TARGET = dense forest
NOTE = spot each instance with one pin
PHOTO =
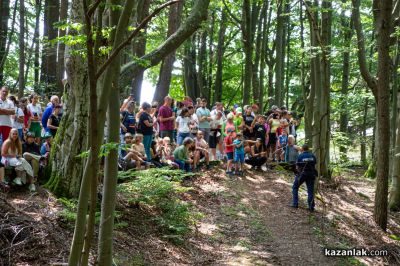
(334, 63)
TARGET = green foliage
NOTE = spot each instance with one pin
(159, 191)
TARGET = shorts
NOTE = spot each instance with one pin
(36, 129)
(239, 157)
(213, 140)
(272, 139)
(229, 155)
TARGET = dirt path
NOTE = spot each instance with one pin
(249, 222)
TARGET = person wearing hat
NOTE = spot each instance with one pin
(306, 173)
(31, 153)
(238, 120)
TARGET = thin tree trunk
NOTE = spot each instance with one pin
(220, 55)
(49, 56)
(4, 54)
(348, 32)
(4, 16)
(202, 62)
(61, 48)
(206, 92)
(280, 53)
(21, 76)
(38, 7)
(248, 50)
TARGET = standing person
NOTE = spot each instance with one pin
(274, 125)
(219, 107)
(292, 152)
(260, 131)
(248, 123)
(128, 121)
(18, 118)
(204, 117)
(36, 115)
(146, 128)
(229, 124)
(239, 153)
(229, 150)
(215, 133)
(6, 110)
(166, 118)
(54, 121)
(181, 155)
(49, 110)
(305, 173)
(182, 125)
(27, 115)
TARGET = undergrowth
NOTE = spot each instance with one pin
(159, 190)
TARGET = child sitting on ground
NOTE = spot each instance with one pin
(201, 151)
(181, 155)
(137, 152)
(239, 153)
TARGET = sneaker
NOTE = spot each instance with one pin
(18, 181)
(32, 188)
(293, 206)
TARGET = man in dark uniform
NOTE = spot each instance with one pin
(305, 173)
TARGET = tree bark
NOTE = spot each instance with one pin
(49, 57)
(61, 48)
(4, 16)
(220, 56)
(189, 70)
(280, 53)
(347, 33)
(164, 80)
(21, 76)
(394, 199)
(248, 50)
(383, 101)
(36, 64)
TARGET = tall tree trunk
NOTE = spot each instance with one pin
(220, 55)
(21, 76)
(258, 51)
(347, 32)
(38, 7)
(139, 48)
(189, 69)
(248, 50)
(280, 53)
(264, 45)
(206, 92)
(202, 63)
(49, 56)
(4, 16)
(164, 80)
(61, 48)
(364, 133)
(383, 92)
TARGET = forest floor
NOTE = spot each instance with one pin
(245, 221)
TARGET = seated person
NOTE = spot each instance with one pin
(181, 155)
(156, 155)
(137, 152)
(201, 150)
(31, 153)
(122, 152)
(258, 154)
(46, 146)
(164, 146)
(11, 153)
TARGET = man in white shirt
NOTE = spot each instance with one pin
(7, 109)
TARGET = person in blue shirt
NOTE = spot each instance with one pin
(305, 173)
(239, 153)
(48, 111)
